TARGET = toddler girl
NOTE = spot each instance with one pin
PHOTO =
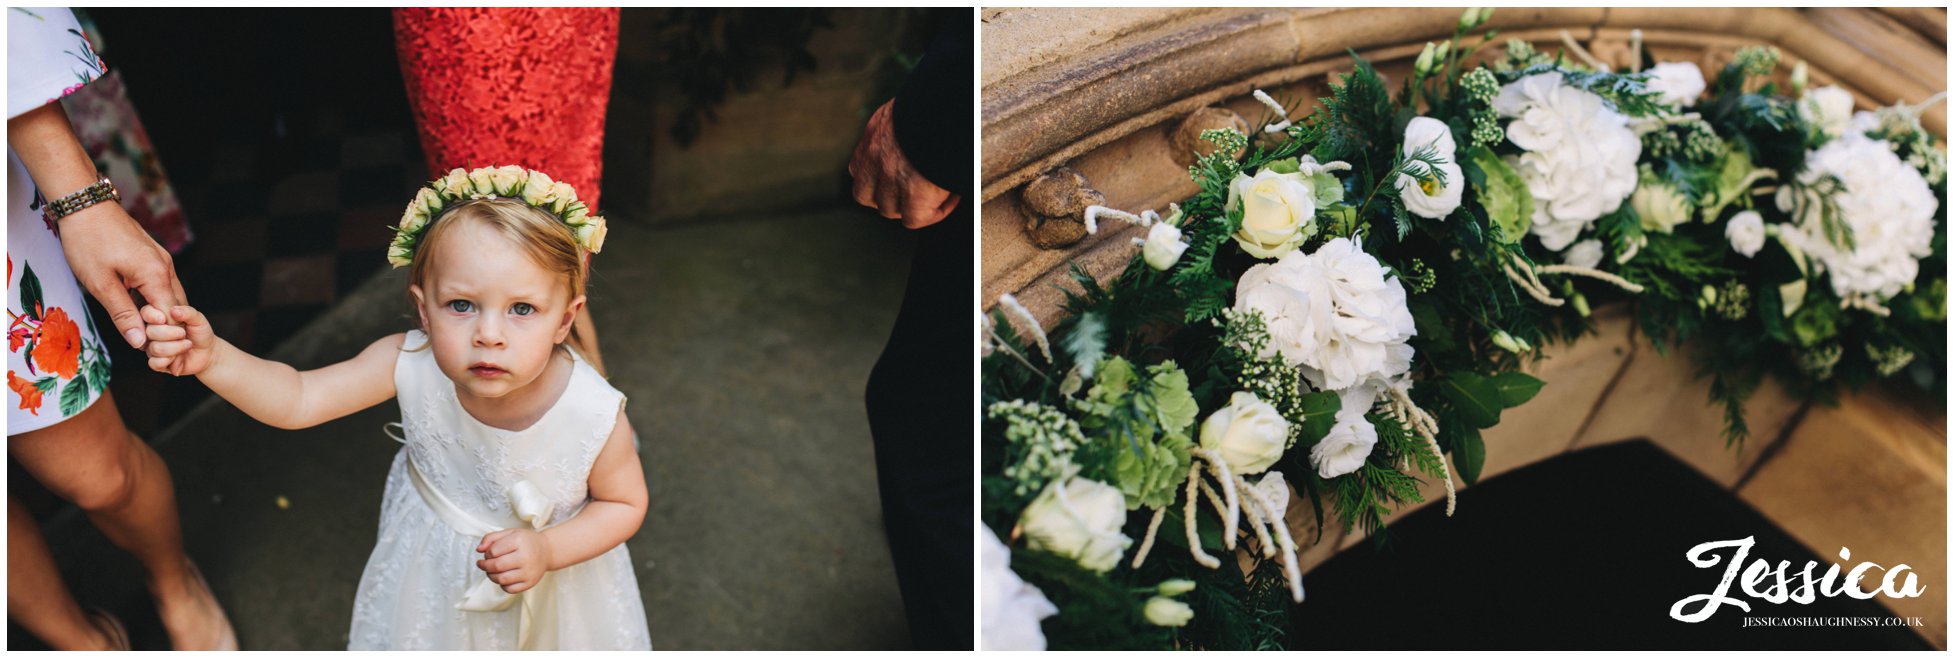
(504, 518)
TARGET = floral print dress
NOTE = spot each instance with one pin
(57, 364)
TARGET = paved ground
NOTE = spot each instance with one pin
(744, 345)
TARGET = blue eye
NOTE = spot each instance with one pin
(461, 306)
(522, 308)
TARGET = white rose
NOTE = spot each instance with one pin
(1579, 159)
(1278, 212)
(1349, 442)
(1660, 206)
(1586, 253)
(455, 184)
(1679, 83)
(1163, 611)
(1079, 519)
(1163, 246)
(1332, 313)
(400, 256)
(481, 182)
(592, 234)
(506, 179)
(1012, 607)
(577, 214)
(418, 211)
(537, 188)
(1431, 200)
(1249, 434)
(561, 196)
(1828, 108)
(1886, 205)
(1746, 232)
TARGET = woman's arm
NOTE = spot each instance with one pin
(108, 251)
(516, 559)
(271, 392)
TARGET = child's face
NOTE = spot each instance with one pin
(493, 316)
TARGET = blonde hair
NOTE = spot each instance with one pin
(547, 240)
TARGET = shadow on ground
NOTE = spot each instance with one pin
(744, 345)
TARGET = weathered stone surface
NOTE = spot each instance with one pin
(1057, 203)
(1186, 141)
(1869, 475)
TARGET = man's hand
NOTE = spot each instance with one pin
(515, 559)
(887, 182)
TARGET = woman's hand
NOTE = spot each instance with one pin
(184, 348)
(107, 250)
(515, 559)
(111, 255)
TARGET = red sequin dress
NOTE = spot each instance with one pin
(511, 85)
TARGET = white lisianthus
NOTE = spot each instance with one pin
(1885, 204)
(1829, 108)
(1661, 207)
(1163, 611)
(536, 188)
(1249, 434)
(1278, 211)
(1350, 440)
(1079, 519)
(1163, 246)
(1586, 253)
(1746, 232)
(1332, 313)
(1580, 155)
(1430, 199)
(592, 234)
(1012, 607)
(1679, 83)
(1174, 587)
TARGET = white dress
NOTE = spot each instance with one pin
(423, 566)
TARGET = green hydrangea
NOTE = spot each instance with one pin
(1153, 477)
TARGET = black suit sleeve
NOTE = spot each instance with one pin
(932, 112)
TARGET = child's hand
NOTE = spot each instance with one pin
(515, 559)
(180, 349)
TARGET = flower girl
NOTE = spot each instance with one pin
(504, 518)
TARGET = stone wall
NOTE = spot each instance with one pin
(772, 147)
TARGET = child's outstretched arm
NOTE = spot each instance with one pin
(271, 392)
(516, 559)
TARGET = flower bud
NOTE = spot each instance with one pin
(1163, 611)
(1175, 587)
(1510, 343)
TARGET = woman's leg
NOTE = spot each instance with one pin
(36, 597)
(94, 461)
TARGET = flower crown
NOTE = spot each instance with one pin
(511, 182)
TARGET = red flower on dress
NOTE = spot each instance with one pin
(59, 349)
(30, 395)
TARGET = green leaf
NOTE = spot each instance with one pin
(1504, 194)
(98, 374)
(30, 292)
(1515, 387)
(1469, 453)
(1475, 397)
(75, 396)
(1319, 414)
(47, 384)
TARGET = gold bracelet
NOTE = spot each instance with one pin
(101, 191)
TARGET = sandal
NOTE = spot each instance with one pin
(229, 640)
(111, 628)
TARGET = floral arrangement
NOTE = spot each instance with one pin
(1347, 302)
(510, 182)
